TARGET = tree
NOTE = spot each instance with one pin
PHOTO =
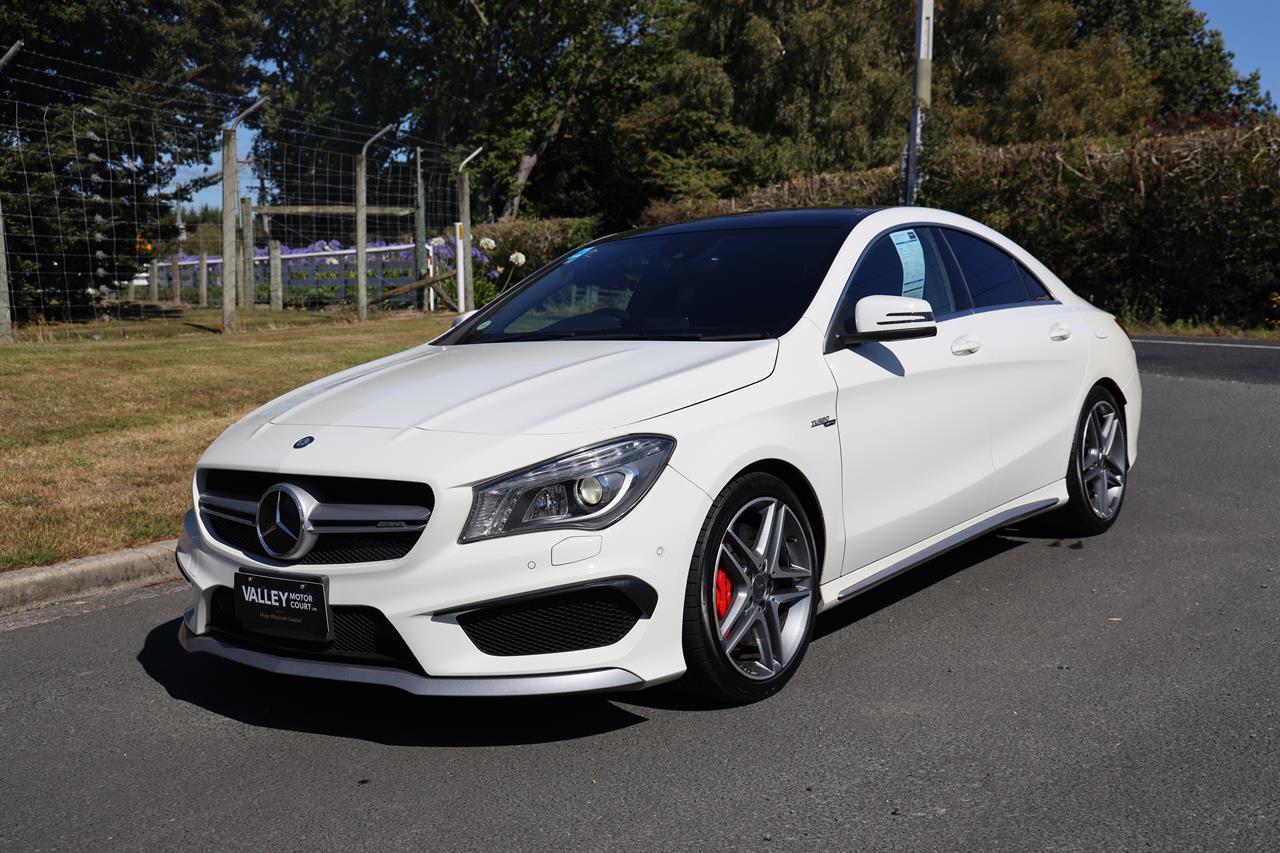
(1191, 67)
(106, 99)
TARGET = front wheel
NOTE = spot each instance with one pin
(751, 598)
(1099, 468)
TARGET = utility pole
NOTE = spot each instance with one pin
(6, 322)
(362, 227)
(465, 276)
(923, 97)
(230, 190)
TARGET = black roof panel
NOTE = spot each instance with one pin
(813, 217)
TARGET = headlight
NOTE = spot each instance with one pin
(587, 489)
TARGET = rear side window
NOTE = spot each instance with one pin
(993, 277)
(903, 263)
(1035, 289)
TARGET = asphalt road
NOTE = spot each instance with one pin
(1020, 693)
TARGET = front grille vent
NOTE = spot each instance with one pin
(349, 520)
(562, 622)
(360, 635)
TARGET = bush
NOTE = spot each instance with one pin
(1164, 229)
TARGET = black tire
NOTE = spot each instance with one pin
(711, 673)
(1078, 518)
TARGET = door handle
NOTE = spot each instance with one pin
(965, 345)
(1059, 332)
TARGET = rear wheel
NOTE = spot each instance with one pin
(1099, 468)
(751, 597)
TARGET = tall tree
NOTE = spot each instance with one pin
(104, 103)
(1191, 67)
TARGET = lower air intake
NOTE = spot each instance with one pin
(561, 622)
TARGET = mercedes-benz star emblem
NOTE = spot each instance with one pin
(283, 524)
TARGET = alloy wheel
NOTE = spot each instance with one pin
(762, 588)
(1102, 459)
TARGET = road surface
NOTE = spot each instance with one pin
(1020, 693)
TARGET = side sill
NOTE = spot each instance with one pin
(955, 540)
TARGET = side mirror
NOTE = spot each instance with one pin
(889, 318)
(462, 318)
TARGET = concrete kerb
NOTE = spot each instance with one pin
(24, 589)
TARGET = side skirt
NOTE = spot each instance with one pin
(1011, 513)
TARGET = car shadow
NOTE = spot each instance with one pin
(672, 697)
(368, 712)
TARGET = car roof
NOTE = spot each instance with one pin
(809, 217)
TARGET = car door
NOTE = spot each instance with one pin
(1037, 354)
(915, 444)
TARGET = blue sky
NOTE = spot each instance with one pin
(1249, 28)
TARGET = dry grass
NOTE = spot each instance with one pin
(98, 438)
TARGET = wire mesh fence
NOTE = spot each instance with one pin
(113, 191)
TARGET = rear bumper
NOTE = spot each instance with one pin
(590, 681)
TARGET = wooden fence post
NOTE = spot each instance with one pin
(202, 279)
(175, 276)
(248, 290)
(6, 323)
(277, 280)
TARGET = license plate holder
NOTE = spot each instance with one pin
(294, 607)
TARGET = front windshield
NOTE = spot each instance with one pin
(697, 285)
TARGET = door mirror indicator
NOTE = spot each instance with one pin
(888, 318)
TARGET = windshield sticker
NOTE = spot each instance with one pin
(486, 324)
(911, 254)
(579, 254)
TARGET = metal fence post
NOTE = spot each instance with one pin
(362, 227)
(276, 285)
(465, 273)
(6, 322)
(202, 279)
(420, 233)
(175, 273)
(248, 287)
(229, 229)
(457, 267)
(153, 284)
(230, 190)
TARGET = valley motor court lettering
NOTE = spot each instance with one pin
(287, 601)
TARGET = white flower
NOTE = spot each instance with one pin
(517, 259)
(487, 244)
(437, 241)
(501, 270)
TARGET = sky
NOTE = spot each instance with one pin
(1249, 28)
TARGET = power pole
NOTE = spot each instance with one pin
(923, 97)
(362, 226)
(465, 274)
(230, 190)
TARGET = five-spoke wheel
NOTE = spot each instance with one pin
(1099, 467)
(752, 591)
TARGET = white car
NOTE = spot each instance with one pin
(661, 455)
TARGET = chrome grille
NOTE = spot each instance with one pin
(345, 520)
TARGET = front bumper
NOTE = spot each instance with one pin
(422, 595)
(591, 681)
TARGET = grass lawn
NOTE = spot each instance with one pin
(98, 437)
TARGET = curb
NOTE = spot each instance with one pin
(27, 588)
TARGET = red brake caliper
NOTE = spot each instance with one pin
(724, 593)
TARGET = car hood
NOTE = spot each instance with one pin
(530, 387)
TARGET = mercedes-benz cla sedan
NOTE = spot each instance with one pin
(661, 455)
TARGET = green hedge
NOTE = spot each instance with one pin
(1165, 229)
(1161, 229)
